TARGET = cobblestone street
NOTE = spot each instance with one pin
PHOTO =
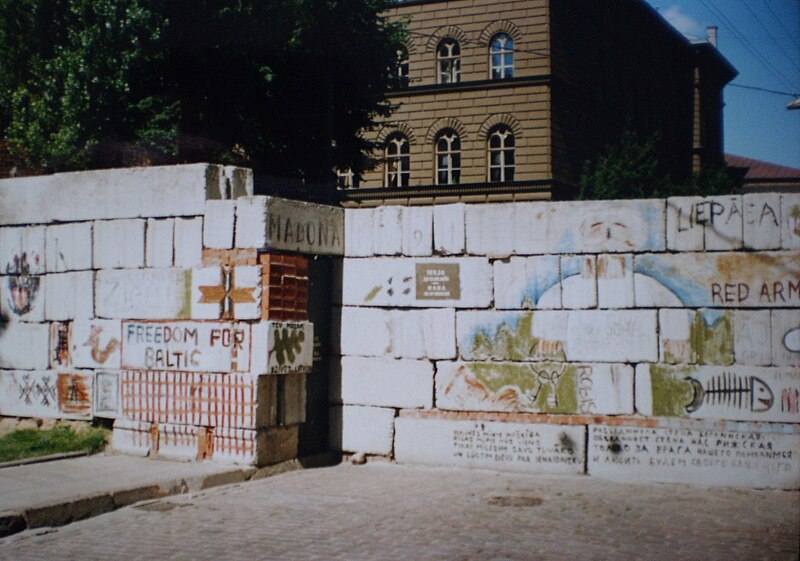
(383, 511)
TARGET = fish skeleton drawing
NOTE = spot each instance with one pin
(728, 389)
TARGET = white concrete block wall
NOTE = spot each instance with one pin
(752, 332)
(761, 221)
(251, 222)
(69, 247)
(724, 229)
(218, 224)
(790, 221)
(369, 430)
(358, 238)
(387, 230)
(69, 296)
(189, 242)
(159, 243)
(143, 294)
(25, 346)
(22, 249)
(386, 382)
(448, 229)
(615, 281)
(118, 244)
(685, 223)
(417, 231)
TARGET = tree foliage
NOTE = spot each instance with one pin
(283, 85)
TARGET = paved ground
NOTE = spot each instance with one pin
(384, 511)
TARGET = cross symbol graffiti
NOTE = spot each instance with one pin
(26, 389)
(226, 294)
(46, 391)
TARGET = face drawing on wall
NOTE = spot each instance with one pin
(21, 284)
(613, 229)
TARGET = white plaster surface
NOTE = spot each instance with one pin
(159, 244)
(786, 337)
(358, 232)
(218, 222)
(47, 394)
(362, 429)
(790, 230)
(490, 229)
(724, 229)
(418, 231)
(387, 230)
(25, 346)
(251, 222)
(751, 456)
(448, 229)
(132, 437)
(762, 220)
(387, 382)
(14, 242)
(615, 281)
(674, 336)
(143, 294)
(612, 336)
(490, 445)
(188, 242)
(684, 233)
(579, 282)
(528, 283)
(752, 337)
(69, 247)
(69, 295)
(95, 343)
(118, 244)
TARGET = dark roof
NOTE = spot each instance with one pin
(760, 170)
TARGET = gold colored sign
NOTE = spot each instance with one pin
(438, 281)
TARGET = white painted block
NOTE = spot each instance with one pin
(750, 456)
(358, 237)
(118, 244)
(239, 446)
(423, 283)
(218, 222)
(69, 296)
(234, 182)
(47, 394)
(143, 294)
(226, 293)
(615, 281)
(24, 346)
(106, 402)
(579, 282)
(369, 430)
(387, 230)
(490, 229)
(675, 337)
(132, 437)
(786, 337)
(535, 387)
(95, 343)
(752, 340)
(418, 231)
(69, 247)
(157, 191)
(517, 447)
(159, 244)
(536, 230)
(724, 229)
(22, 250)
(251, 222)
(762, 220)
(366, 332)
(449, 236)
(686, 218)
(179, 442)
(528, 283)
(188, 242)
(790, 211)
(23, 297)
(612, 336)
(387, 382)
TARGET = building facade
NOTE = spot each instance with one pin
(507, 100)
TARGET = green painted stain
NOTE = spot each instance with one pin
(795, 213)
(185, 311)
(288, 344)
(670, 389)
(712, 344)
(507, 342)
(542, 387)
(372, 294)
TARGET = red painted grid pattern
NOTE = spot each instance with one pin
(236, 444)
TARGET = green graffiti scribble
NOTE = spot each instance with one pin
(288, 344)
(794, 212)
(517, 343)
(670, 390)
(712, 343)
(542, 387)
(186, 306)
(372, 293)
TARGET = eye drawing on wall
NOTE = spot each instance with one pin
(22, 285)
(613, 228)
(741, 392)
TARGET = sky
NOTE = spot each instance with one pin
(761, 39)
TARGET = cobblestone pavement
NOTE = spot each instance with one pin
(384, 511)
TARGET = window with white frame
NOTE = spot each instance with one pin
(398, 161)
(346, 179)
(448, 158)
(501, 155)
(448, 59)
(501, 56)
(401, 68)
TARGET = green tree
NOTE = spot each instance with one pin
(283, 85)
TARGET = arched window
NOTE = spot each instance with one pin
(401, 68)
(398, 161)
(448, 58)
(501, 56)
(501, 154)
(448, 158)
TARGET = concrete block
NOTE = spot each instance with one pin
(752, 339)
(615, 281)
(22, 250)
(517, 447)
(424, 282)
(95, 343)
(234, 182)
(118, 244)
(69, 296)
(612, 336)
(786, 337)
(132, 437)
(740, 280)
(686, 217)
(24, 346)
(46, 394)
(369, 430)
(180, 442)
(251, 222)
(273, 445)
(535, 229)
(724, 229)
(762, 220)
(514, 336)
(241, 446)
(675, 336)
(159, 244)
(535, 387)
(358, 232)
(490, 229)
(188, 242)
(143, 294)
(218, 222)
(449, 237)
(386, 382)
(106, 402)
(418, 231)
(69, 247)
(23, 297)
(732, 393)
(226, 292)
(387, 230)
(750, 456)
(790, 220)
(528, 283)
(366, 332)
(282, 347)
(579, 282)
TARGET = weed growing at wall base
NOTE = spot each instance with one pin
(30, 443)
